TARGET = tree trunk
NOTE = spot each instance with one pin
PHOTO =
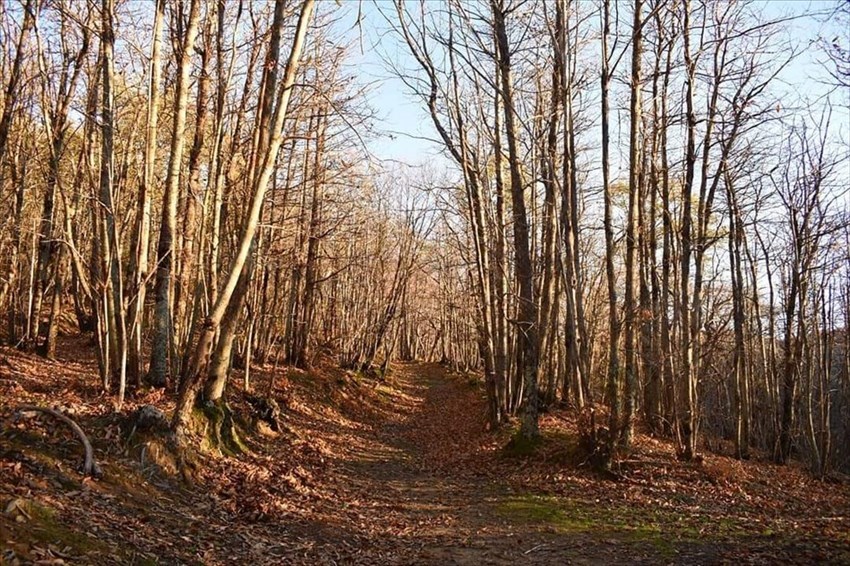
(139, 257)
(193, 373)
(631, 314)
(527, 312)
(163, 339)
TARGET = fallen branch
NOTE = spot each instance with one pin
(90, 467)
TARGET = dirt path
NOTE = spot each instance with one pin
(401, 483)
(411, 493)
(401, 473)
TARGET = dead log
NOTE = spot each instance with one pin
(90, 466)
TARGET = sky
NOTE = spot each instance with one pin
(406, 125)
(402, 119)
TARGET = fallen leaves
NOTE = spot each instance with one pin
(365, 473)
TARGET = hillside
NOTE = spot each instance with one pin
(372, 472)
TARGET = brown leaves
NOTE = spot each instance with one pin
(394, 475)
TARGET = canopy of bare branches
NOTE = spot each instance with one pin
(633, 212)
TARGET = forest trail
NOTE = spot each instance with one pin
(366, 472)
(398, 502)
(414, 490)
(422, 508)
(217, 219)
(395, 472)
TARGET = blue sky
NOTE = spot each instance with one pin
(405, 123)
(402, 119)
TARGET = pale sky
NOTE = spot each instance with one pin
(406, 123)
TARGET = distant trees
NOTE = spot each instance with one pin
(259, 147)
(634, 221)
(690, 323)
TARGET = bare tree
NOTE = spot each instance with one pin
(274, 130)
(163, 340)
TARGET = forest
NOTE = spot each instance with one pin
(424, 281)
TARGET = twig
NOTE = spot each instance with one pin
(536, 548)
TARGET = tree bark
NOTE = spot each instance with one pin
(163, 339)
(139, 258)
(194, 371)
(527, 312)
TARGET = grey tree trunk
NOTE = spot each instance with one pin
(635, 120)
(527, 311)
(163, 339)
(613, 377)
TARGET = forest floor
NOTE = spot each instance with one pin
(381, 472)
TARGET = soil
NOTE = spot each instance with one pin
(369, 471)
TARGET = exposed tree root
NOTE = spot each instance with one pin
(266, 409)
(90, 466)
(219, 429)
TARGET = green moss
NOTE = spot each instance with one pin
(60, 535)
(576, 517)
(44, 527)
(662, 529)
(520, 446)
(220, 432)
(538, 509)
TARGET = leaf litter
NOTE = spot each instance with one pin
(374, 472)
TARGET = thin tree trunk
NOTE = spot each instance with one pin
(186, 267)
(687, 424)
(527, 312)
(163, 339)
(613, 377)
(630, 308)
(139, 258)
(111, 247)
(194, 371)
